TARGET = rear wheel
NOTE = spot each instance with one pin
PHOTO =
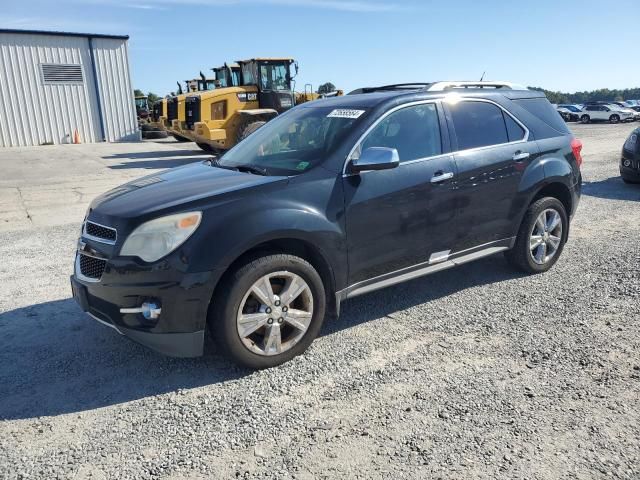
(585, 119)
(541, 237)
(154, 134)
(268, 310)
(614, 119)
(205, 146)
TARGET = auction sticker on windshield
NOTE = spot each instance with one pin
(345, 113)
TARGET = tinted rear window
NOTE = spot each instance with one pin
(541, 108)
(478, 124)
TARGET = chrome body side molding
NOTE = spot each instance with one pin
(435, 264)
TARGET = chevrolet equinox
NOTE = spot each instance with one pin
(332, 199)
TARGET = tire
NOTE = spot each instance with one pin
(585, 119)
(145, 127)
(154, 134)
(205, 146)
(180, 138)
(521, 256)
(248, 128)
(614, 119)
(630, 182)
(235, 297)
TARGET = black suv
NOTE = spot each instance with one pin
(332, 199)
(630, 161)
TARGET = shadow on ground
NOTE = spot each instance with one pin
(613, 188)
(155, 159)
(55, 360)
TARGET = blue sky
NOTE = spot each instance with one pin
(566, 45)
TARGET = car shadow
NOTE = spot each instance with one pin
(56, 360)
(612, 188)
(421, 290)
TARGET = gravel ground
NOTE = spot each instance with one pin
(476, 372)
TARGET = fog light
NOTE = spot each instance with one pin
(149, 310)
(626, 162)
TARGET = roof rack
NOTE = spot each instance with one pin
(395, 86)
(441, 86)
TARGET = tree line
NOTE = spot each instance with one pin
(603, 94)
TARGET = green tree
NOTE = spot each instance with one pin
(138, 93)
(326, 88)
(152, 97)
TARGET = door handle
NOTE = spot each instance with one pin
(520, 156)
(440, 177)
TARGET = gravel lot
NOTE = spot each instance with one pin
(476, 372)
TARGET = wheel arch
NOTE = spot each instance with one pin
(292, 246)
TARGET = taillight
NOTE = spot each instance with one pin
(576, 146)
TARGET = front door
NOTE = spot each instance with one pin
(404, 216)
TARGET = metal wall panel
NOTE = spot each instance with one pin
(116, 91)
(33, 112)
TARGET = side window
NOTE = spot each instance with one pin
(478, 124)
(413, 131)
(514, 130)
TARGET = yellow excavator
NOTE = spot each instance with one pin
(220, 118)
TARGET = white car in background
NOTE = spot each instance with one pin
(606, 113)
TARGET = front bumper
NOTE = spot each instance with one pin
(126, 284)
(632, 171)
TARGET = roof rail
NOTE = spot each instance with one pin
(395, 86)
(441, 86)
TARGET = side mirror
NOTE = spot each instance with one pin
(376, 158)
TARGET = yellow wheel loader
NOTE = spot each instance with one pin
(176, 114)
(309, 95)
(222, 117)
(227, 75)
(159, 114)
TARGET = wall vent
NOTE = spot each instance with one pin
(57, 73)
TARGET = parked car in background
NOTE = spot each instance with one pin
(334, 199)
(567, 115)
(571, 107)
(605, 113)
(635, 109)
(630, 161)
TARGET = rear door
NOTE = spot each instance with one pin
(404, 216)
(492, 149)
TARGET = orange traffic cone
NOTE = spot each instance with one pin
(76, 137)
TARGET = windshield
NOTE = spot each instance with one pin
(293, 142)
(273, 77)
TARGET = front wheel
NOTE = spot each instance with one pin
(585, 119)
(268, 310)
(541, 237)
(614, 119)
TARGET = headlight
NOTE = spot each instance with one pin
(156, 238)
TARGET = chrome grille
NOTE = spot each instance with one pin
(100, 232)
(91, 267)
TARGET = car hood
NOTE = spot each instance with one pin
(193, 186)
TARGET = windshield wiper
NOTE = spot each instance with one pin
(214, 162)
(252, 169)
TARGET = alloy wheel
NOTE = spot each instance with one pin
(546, 236)
(275, 313)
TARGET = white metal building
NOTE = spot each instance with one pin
(54, 83)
